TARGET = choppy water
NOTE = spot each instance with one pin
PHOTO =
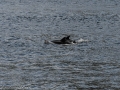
(27, 63)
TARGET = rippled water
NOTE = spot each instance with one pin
(27, 63)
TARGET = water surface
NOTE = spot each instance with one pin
(26, 62)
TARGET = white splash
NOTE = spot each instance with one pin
(81, 40)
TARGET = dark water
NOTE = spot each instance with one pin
(27, 63)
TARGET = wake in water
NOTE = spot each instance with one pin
(81, 40)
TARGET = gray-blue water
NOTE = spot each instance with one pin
(27, 63)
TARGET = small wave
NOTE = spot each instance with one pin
(81, 40)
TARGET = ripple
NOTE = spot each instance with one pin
(27, 63)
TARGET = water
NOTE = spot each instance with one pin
(27, 63)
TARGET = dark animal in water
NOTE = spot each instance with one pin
(64, 40)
